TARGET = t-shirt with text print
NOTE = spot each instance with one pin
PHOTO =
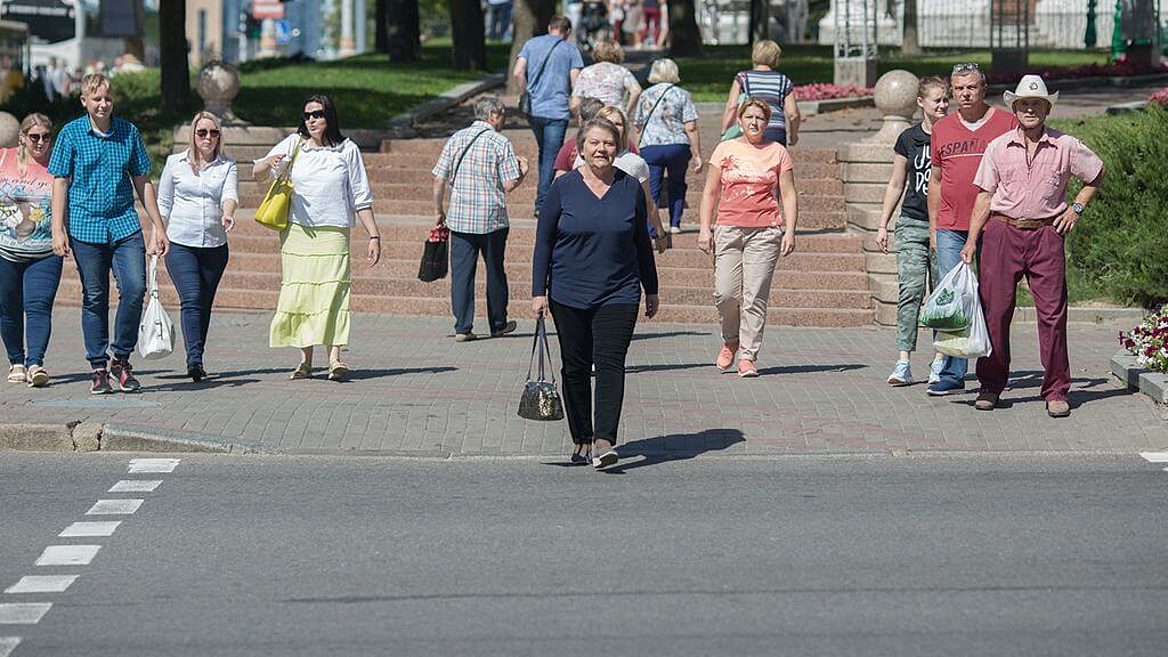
(749, 194)
(25, 209)
(957, 150)
(913, 145)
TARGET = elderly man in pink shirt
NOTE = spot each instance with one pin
(1022, 217)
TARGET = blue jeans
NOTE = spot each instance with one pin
(949, 245)
(196, 273)
(127, 259)
(776, 134)
(464, 257)
(500, 19)
(672, 159)
(549, 135)
(27, 291)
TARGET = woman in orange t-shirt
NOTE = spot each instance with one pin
(749, 179)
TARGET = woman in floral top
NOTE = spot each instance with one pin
(606, 80)
(667, 122)
(29, 271)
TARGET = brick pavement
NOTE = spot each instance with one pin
(416, 392)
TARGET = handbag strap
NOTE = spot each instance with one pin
(542, 65)
(540, 345)
(287, 175)
(465, 150)
(648, 116)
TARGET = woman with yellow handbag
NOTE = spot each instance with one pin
(329, 192)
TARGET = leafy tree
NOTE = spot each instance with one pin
(404, 32)
(467, 31)
(685, 39)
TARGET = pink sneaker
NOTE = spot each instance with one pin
(747, 369)
(726, 356)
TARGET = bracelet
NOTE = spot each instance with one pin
(375, 237)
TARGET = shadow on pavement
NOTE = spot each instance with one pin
(1082, 390)
(810, 369)
(674, 447)
(360, 375)
(666, 367)
(668, 334)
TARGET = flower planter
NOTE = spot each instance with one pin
(1155, 385)
(1125, 368)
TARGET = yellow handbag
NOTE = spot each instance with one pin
(273, 210)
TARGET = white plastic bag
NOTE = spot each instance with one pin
(950, 307)
(156, 332)
(974, 341)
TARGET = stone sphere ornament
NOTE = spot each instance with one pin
(896, 98)
(9, 130)
(219, 85)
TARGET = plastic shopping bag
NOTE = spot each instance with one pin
(156, 332)
(971, 342)
(950, 307)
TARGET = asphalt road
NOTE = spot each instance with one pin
(1020, 555)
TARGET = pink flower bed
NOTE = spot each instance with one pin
(1110, 69)
(1160, 97)
(824, 91)
(1148, 342)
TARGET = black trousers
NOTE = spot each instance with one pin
(464, 254)
(597, 336)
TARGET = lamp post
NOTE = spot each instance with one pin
(1117, 42)
(1090, 39)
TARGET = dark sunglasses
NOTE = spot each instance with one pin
(203, 132)
(38, 137)
(314, 114)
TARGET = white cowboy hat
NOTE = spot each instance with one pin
(1030, 86)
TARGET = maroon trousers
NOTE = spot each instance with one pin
(1005, 255)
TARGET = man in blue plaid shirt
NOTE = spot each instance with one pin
(98, 163)
(480, 166)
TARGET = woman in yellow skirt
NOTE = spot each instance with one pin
(331, 193)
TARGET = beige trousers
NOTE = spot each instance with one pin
(744, 264)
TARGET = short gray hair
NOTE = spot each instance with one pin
(486, 106)
(664, 70)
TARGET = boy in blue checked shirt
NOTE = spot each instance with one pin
(98, 163)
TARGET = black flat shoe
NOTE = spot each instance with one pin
(579, 459)
(197, 373)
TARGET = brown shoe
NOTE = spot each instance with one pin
(986, 401)
(1058, 408)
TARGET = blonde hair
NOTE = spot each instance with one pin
(756, 103)
(93, 82)
(766, 53)
(193, 154)
(29, 122)
(664, 70)
(608, 51)
(607, 113)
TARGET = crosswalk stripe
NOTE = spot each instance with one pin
(68, 555)
(1155, 457)
(8, 644)
(23, 613)
(114, 507)
(103, 528)
(153, 465)
(42, 584)
(135, 486)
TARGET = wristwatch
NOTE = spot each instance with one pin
(1077, 208)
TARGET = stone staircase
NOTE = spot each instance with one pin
(825, 283)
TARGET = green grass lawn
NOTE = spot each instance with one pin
(709, 77)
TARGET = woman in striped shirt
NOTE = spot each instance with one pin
(764, 82)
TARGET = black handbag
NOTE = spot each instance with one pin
(435, 256)
(540, 401)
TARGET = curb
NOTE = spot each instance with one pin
(101, 437)
(1069, 84)
(806, 107)
(402, 125)
(1152, 384)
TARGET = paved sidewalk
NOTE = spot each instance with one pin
(417, 392)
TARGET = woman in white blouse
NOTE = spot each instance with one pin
(197, 197)
(331, 193)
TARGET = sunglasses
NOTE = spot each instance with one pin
(203, 132)
(38, 137)
(965, 68)
(314, 114)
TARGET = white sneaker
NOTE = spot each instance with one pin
(901, 374)
(935, 370)
(675, 230)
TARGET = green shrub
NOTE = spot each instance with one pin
(1121, 244)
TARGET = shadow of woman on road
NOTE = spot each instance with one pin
(674, 447)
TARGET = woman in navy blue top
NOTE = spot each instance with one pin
(592, 257)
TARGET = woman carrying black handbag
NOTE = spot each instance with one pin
(592, 258)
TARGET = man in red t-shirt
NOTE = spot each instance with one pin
(956, 147)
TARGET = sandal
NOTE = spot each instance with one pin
(16, 374)
(302, 371)
(37, 377)
(338, 371)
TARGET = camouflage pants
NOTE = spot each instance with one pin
(916, 272)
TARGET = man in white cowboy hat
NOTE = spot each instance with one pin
(1022, 217)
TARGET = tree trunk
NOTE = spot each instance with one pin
(910, 40)
(381, 26)
(468, 34)
(685, 38)
(531, 18)
(404, 30)
(760, 20)
(172, 47)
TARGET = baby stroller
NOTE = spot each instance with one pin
(594, 26)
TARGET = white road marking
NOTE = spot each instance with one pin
(42, 584)
(135, 486)
(8, 644)
(114, 507)
(1155, 457)
(104, 528)
(153, 465)
(68, 555)
(23, 613)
